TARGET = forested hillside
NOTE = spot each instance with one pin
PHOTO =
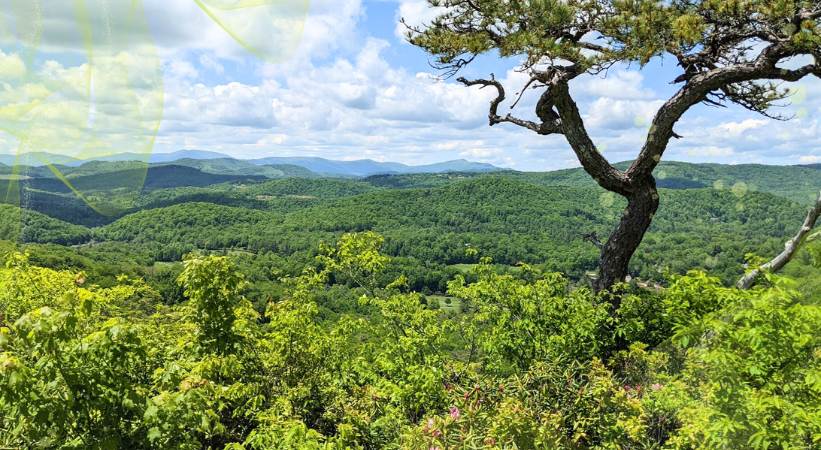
(213, 296)
(508, 217)
(796, 183)
(230, 166)
(31, 226)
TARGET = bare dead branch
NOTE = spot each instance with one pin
(791, 247)
(593, 238)
(522, 92)
(494, 118)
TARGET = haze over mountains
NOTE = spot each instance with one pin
(197, 168)
(206, 159)
(792, 182)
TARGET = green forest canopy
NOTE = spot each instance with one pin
(339, 358)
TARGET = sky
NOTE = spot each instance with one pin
(328, 78)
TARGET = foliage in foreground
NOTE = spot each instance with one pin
(528, 363)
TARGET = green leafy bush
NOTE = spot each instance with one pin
(346, 357)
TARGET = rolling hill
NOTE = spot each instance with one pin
(38, 159)
(797, 183)
(366, 167)
(510, 220)
(287, 188)
(113, 192)
(282, 195)
(30, 226)
(146, 179)
(230, 166)
(160, 158)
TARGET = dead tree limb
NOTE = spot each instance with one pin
(790, 249)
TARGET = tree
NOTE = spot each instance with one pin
(728, 51)
(214, 286)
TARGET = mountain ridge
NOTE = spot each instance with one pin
(316, 164)
(799, 183)
(367, 167)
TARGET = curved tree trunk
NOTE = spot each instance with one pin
(642, 204)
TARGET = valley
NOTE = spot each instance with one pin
(711, 215)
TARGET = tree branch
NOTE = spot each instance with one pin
(494, 118)
(698, 88)
(567, 121)
(593, 238)
(790, 249)
(574, 130)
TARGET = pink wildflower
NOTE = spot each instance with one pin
(454, 413)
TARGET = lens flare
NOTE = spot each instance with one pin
(269, 29)
(83, 81)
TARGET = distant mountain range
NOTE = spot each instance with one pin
(37, 159)
(270, 166)
(367, 167)
(799, 183)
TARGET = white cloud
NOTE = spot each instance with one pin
(448, 145)
(343, 94)
(182, 70)
(710, 151)
(621, 84)
(362, 106)
(11, 67)
(209, 62)
(809, 159)
(270, 140)
(735, 129)
(84, 110)
(480, 153)
(615, 114)
(233, 104)
(274, 31)
(330, 24)
(416, 13)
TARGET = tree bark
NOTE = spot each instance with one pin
(642, 204)
(639, 190)
(790, 249)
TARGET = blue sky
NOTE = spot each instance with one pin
(348, 87)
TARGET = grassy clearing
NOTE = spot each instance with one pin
(501, 268)
(446, 303)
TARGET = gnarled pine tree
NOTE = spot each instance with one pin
(728, 51)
